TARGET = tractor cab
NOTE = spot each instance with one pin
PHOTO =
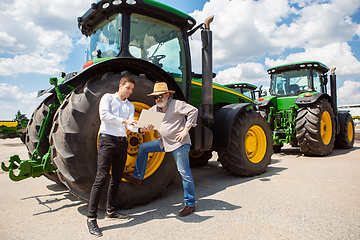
(148, 31)
(246, 89)
(297, 78)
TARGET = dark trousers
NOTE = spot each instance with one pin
(112, 153)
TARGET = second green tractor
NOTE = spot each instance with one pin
(302, 113)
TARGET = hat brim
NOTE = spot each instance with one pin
(162, 92)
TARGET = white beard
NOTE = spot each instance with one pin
(163, 104)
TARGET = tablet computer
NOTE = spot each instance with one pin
(148, 117)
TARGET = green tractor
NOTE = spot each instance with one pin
(148, 41)
(14, 128)
(246, 89)
(302, 113)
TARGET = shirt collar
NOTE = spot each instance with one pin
(118, 97)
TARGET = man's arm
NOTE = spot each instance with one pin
(104, 111)
(191, 112)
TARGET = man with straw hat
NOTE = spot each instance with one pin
(174, 137)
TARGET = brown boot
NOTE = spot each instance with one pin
(135, 181)
(186, 211)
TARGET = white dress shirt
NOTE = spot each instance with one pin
(112, 113)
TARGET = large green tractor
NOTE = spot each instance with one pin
(148, 41)
(302, 113)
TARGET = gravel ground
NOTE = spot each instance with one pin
(297, 198)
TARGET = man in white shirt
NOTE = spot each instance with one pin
(116, 112)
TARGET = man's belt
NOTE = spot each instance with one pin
(113, 137)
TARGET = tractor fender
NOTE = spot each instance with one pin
(341, 117)
(302, 101)
(224, 123)
(133, 65)
(267, 102)
(64, 89)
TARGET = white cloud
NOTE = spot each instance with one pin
(12, 100)
(9, 43)
(241, 29)
(39, 34)
(349, 93)
(334, 54)
(246, 30)
(249, 72)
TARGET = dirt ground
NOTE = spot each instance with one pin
(298, 197)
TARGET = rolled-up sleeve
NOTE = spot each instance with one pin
(190, 111)
(131, 116)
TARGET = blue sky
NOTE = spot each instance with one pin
(40, 38)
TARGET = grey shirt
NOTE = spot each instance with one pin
(178, 115)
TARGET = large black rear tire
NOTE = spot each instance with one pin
(73, 142)
(345, 139)
(315, 128)
(251, 145)
(32, 130)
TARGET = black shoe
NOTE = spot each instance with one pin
(94, 228)
(116, 215)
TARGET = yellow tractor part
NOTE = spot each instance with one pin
(8, 123)
(326, 127)
(135, 139)
(350, 131)
(255, 144)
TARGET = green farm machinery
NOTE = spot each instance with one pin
(302, 113)
(247, 89)
(14, 128)
(148, 41)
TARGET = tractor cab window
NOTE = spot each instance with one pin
(249, 93)
(245, 91)
(159, 43)
(290, 82)
(105, 40)
(318, 82)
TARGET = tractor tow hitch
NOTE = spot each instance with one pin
(35, 166)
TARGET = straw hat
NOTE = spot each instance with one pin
(161, 88)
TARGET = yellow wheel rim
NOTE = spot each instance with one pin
(350, 131)
(255, 144)
(134, 140)
(196, 155)
(326, 128)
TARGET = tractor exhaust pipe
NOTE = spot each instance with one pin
(333, 89)
(207, 89)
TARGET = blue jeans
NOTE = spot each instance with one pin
(181, 156)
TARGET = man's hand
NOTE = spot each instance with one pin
(180, 135)
(130, 122)
(147, 129)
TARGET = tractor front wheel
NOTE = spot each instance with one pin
(251, 145)
(315, 128)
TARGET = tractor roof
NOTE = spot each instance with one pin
(298, 65)
(245, 85)
(104, 9)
